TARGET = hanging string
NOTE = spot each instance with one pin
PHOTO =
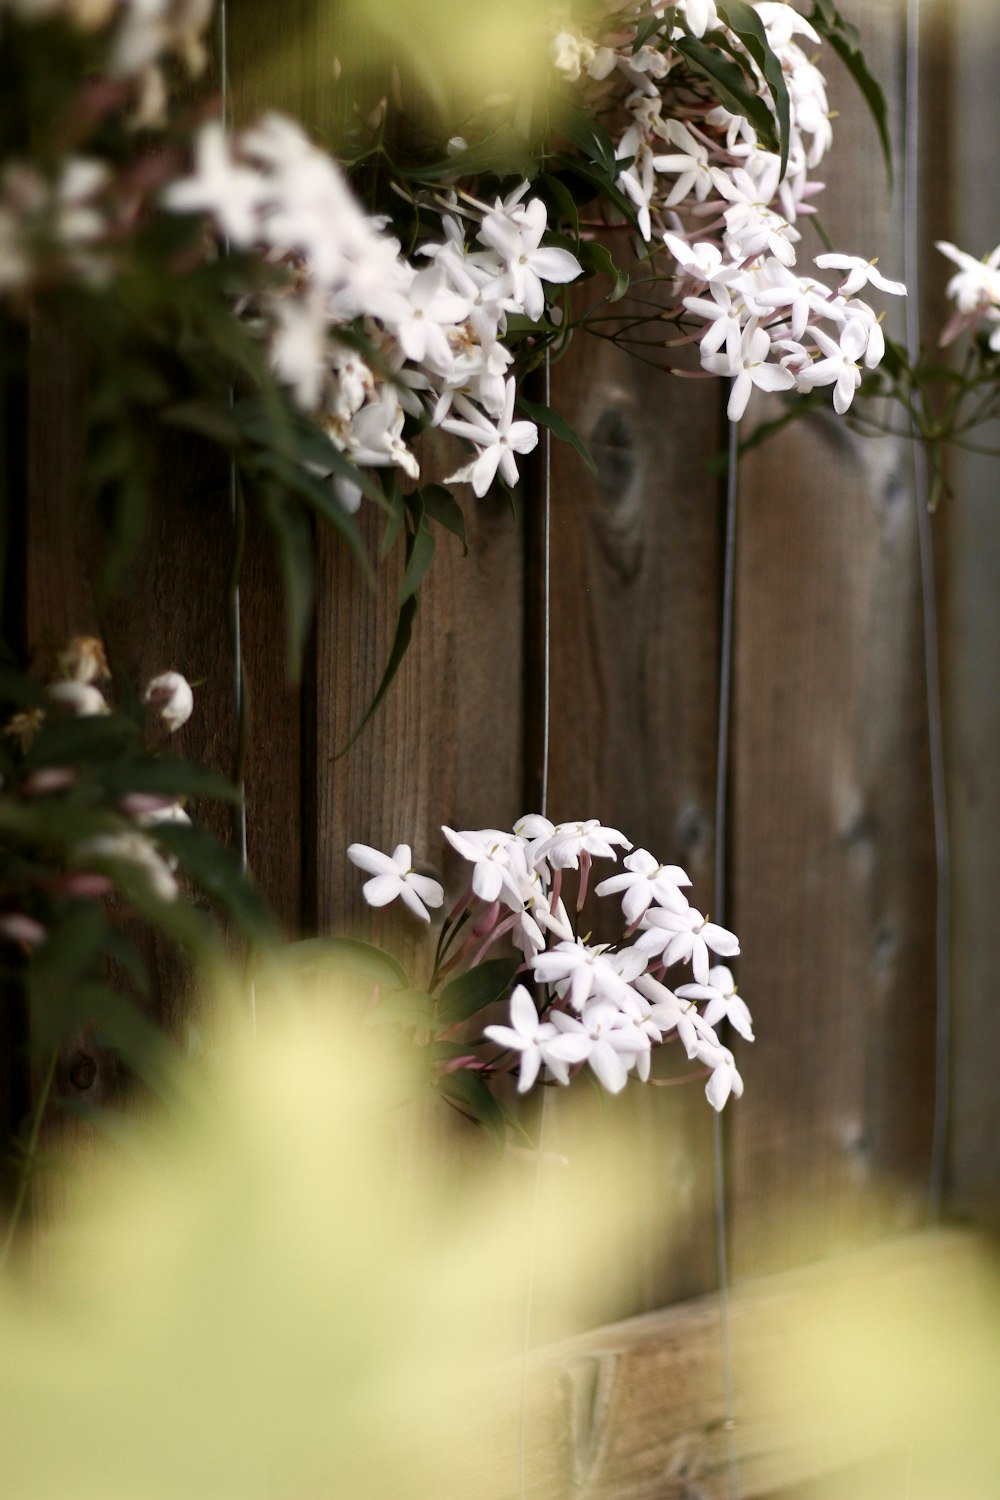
(721, 839)
(238, 520)
(522, 1435)
(935, 717)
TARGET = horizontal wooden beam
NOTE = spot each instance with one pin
(636, 1410)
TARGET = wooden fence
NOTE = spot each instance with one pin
(830, 860)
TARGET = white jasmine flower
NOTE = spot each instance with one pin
(723, 1001)
(232, 194)
(644, 882)
(171, 695)
(840, 367)
(516, 238)
(497, 444)
(568, 841)
(859, 272)
(750, 369)
(582, 972)
(492, 854)
(394, 876)
(612, 1047)
(725, 1079)
(537, 1041)
(682, 937)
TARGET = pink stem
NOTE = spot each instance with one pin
(586, 860)
(498, 932)
(555, 892)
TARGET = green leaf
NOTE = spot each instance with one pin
(208, 418)
(217, 871)
(472, 992)
(410, 1008)
(93, 738)
(735, 90)
(168, 776)
(605, 188)
(471, 1094)
(565, 202)
(650, 27)
(442, 507)
(419, 556)
(272, 426)
(316, 493)
(349, 953)
(400, 646)
(293, 534)
(506, 154)
(845, 41)
(559, 428)
(596, 257)
(588, 135)
(744, 21)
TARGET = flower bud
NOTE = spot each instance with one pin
(81, 699)
(84, 660)
(171, 695)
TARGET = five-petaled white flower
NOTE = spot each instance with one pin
(723, 1001)
(497, 444)
(394, 876)
(646, 881)
(537, 1041)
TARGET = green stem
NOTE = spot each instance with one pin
(29, 1157)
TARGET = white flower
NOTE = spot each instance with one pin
(686, 936)
(568, 841)
(492, 855)
(840, 368)
(171, 695)
(750, 369)
(723, 1001)
(646, 881)
(394, 876)
(232, 194)
(583, 972)
(859, 272)
(725, 1079)
(515, 234)
(80, 698)
(537, 1041)
(497, 444)
(612, 1047)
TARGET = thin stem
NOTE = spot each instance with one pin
(29, 1157)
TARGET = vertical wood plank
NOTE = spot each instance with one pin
(636, 581)
(972, 650)
(832, 859)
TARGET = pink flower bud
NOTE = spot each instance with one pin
(18, 927)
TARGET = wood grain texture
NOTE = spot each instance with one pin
(635, 589)
(832, 852)
(634, 1411)
(971, 516)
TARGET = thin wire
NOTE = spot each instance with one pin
(235, 617)
(721, 838)
(522, 1435)
(932, 671)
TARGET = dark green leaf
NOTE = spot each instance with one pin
(441, 505)
(507, 154)
(92, 738)
(472, 992)
(744, 21)
(317, 494)
(272, 426)
(419, 556)
(735, 90)
(168, 776)
(471, 1094)
(400, 646)
(349, 953)
(596, 257)
(844, 40)
(565, 202)
(293, 534)
(217, 871)
(559, 428)
(605, 187)
(209, 419)
(588, 135)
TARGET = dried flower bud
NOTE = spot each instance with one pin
(84, 660)
(171, 695)
(24, 726)
(80, 698)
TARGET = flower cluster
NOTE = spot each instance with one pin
(704, 184)
(603, 1005)
(434, 322)
(124, 841)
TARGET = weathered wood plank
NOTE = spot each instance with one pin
(636, 582)
(635, 1411)
(971, 653)
(832, 852)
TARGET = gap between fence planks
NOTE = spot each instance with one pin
(634, 1411)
